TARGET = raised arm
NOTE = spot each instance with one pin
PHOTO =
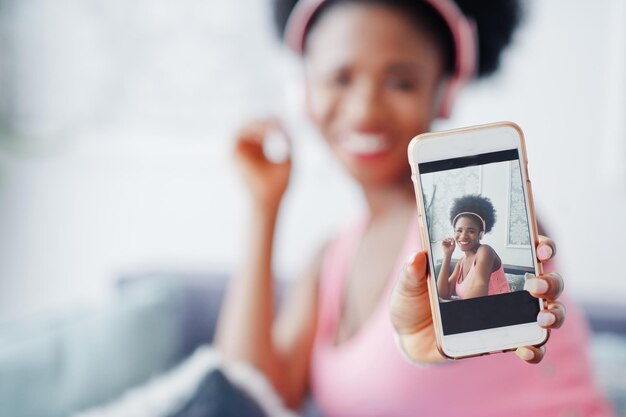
(445, 284)
(246, 328)
(293, 334)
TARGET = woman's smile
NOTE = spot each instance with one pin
(463, 243)
(466, 234)
(364, 146)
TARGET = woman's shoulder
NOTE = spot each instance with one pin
(488, 256)
(486, 250)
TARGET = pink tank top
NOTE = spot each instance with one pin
(367, 375)
(497, 281)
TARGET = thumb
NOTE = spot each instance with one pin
(412, 282)
(410, 304)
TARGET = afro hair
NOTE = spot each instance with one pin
(474, 203)
(496, 21)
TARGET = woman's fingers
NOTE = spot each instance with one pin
(531, 354)
(548, 286)
(256, 133)
(553, 316)
(546, 249)
(262, 153)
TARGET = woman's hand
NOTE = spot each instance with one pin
(448, 246)
(266, 180)
(411, 316)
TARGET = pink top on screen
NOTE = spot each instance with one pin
(497, 281)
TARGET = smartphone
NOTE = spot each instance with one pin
(478, 226)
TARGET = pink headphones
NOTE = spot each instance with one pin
(463, 33)
(473, 214)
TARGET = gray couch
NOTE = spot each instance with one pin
(54, 366)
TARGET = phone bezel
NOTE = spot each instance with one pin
(493, 137)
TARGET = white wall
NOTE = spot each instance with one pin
(123, 114)
(564, 84)
(495, 181)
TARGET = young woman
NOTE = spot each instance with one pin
(480, 272)
(377, 73)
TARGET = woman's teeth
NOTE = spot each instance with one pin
(362, 144)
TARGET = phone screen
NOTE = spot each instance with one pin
(480, 240)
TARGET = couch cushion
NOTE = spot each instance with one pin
(57, 365)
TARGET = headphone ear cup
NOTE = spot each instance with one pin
(452, 87)
(445, 106)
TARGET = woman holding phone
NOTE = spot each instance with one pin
(378, 73)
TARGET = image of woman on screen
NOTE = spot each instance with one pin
(480, 271)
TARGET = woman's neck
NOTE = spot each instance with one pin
(472, 252)
(386, 199)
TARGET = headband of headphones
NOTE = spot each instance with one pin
(470, 213)
(463, 34)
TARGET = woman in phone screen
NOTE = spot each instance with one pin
(377, 73)
(480, 271)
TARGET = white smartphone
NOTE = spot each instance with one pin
(478, 225)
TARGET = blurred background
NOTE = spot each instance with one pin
(117, 125)
(117, 120)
